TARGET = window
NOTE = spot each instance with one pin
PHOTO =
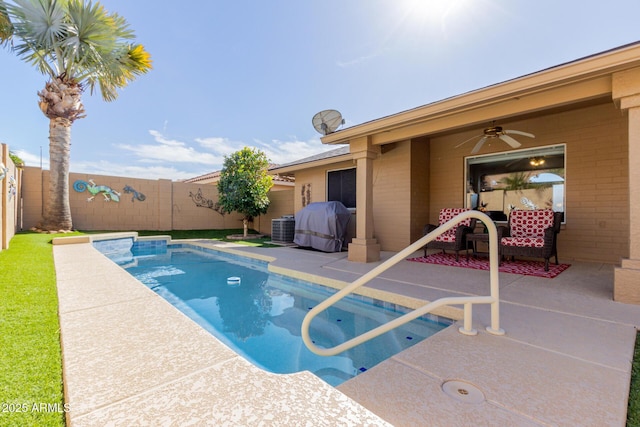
(522, 179)
(341, 187)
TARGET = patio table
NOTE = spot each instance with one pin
(474, 238)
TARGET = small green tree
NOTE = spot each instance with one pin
(244, 184)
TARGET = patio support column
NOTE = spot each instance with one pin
(364, 248)
(626, 91)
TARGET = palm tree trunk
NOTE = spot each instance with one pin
(57, 215)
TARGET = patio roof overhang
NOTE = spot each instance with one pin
(587, 80)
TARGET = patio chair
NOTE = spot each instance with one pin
(453, 239)
(530, 234)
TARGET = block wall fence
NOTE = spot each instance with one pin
(112, 203)
(10, 186)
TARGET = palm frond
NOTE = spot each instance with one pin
(40, 23)
(123, 67)
(105, 56)
(78, 39)
(139, 59)
(36, 28)
(93, 31)
(6, 29)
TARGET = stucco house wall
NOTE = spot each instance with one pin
(420, 184)
(392, 195)
(311, 183)
(400, 190)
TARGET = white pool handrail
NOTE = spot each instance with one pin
(493, 299)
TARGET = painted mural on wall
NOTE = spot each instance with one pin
(136, 195)
(203, 202)
(3, 171)
(108, 193)
(12, 187)
(306, 194)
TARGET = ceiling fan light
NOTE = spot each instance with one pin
(496, 132)
(493, 131)
(534, 161)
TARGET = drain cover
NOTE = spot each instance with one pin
(463, 392)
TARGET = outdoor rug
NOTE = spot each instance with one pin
(527, 268)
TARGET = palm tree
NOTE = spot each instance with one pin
(77, 45)
(518, 181)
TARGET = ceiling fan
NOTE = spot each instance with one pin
(497, 132)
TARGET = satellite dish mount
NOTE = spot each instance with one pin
(327, 121)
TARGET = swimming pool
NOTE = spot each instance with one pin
(259, 314)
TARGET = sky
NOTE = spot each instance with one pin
(235, 73)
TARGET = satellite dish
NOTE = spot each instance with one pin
(327, 121)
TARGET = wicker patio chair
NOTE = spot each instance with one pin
(453, 239)
(531, 234)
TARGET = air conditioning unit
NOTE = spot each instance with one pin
(283, 229)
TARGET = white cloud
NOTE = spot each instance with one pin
(220, 146)
(277, 151)
(32, 159)
(124, 170)
(174, 159)
(171, 151)
(167, 154)
(281, 152)
(357, 61)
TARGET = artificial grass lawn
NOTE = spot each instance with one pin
(30, 358)
(633, 413)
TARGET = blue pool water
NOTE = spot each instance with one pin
(260, 317)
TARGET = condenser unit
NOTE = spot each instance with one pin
(283, 229)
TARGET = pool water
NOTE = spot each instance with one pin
(260, 317)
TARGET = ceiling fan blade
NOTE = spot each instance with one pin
(512, 142)
(466, 140)
(478, 145)
(518, 132)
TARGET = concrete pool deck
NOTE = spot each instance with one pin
(130, 358)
